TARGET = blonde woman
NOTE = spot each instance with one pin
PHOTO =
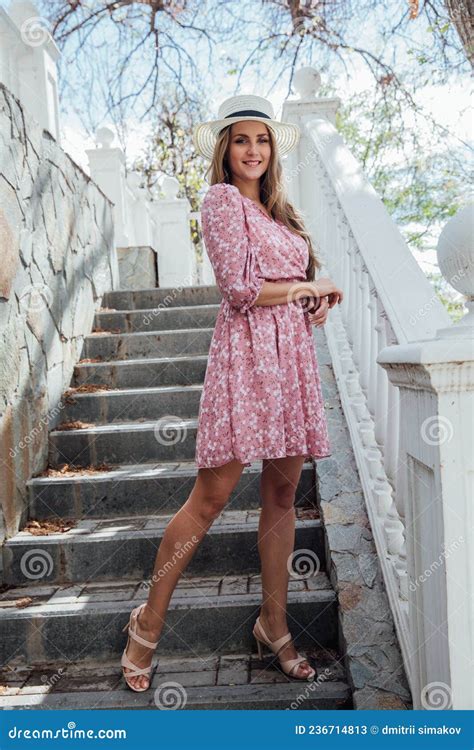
(262, 395)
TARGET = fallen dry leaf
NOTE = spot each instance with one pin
(99, 331)
(74, 425)
(23, 602)
(48, 526)
(67, 469)
(89, 388)
(307, 513)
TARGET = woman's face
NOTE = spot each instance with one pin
(249, 149)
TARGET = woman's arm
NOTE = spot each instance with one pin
(283, 292)
(279, 292)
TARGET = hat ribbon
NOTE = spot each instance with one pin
(246, 112)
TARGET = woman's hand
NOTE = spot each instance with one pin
(319, 317)
(325, 287)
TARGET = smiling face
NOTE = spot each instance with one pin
(249, 150)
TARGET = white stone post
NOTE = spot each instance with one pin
(300, 177)
(107, 168)
(436, 470)
(28, 58)
(176, 256)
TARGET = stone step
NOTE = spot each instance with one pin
(110, 346)
(157, 319)
(103, 407)
(208, 615)
(145, 299)
(225, 681)
(94, 549)
(155, 488)
(142, 373)
(124, 443)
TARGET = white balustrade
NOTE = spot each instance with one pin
(436, 379)
(386, 299)
(152, 236)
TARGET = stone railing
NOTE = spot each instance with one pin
(388, 302)
(436, 381)
(58, 258)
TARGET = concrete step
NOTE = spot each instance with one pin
(164, 439)
(110, 346)
(155, 488)
(94, 549)
(124, 442)
(208, 615)
(225, 681)
(145, 299)
(142, 373)
(157, 319)
(103, 407)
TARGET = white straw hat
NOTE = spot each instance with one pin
(245, 107)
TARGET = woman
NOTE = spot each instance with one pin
(262, 396)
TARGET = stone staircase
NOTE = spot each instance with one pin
(96, 517)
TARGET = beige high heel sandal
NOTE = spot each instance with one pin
(125, 661)
(289, 665)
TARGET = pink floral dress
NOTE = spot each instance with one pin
(262, 393)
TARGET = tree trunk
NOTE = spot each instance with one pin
(461, 13)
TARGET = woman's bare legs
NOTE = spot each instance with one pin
(276, 541)
(183, 533)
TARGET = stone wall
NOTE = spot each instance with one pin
(57, 259)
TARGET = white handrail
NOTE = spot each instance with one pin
(387, 297)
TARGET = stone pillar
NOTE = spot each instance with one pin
(28, 63)
(436, 470)
(107, 167)
(176, 255)
(299, 176)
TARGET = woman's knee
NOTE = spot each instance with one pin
(281, 494)
(210, 495)
(211, 504)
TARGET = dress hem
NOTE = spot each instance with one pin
(261, 458)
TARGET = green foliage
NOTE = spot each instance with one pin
(449, 298)
(171, 151)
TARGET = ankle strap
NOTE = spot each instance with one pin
(280, 642)
(141, 640)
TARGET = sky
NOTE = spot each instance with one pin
(447, 103)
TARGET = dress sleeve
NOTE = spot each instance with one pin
(228, 245)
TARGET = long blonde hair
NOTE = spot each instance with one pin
(272, 192)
